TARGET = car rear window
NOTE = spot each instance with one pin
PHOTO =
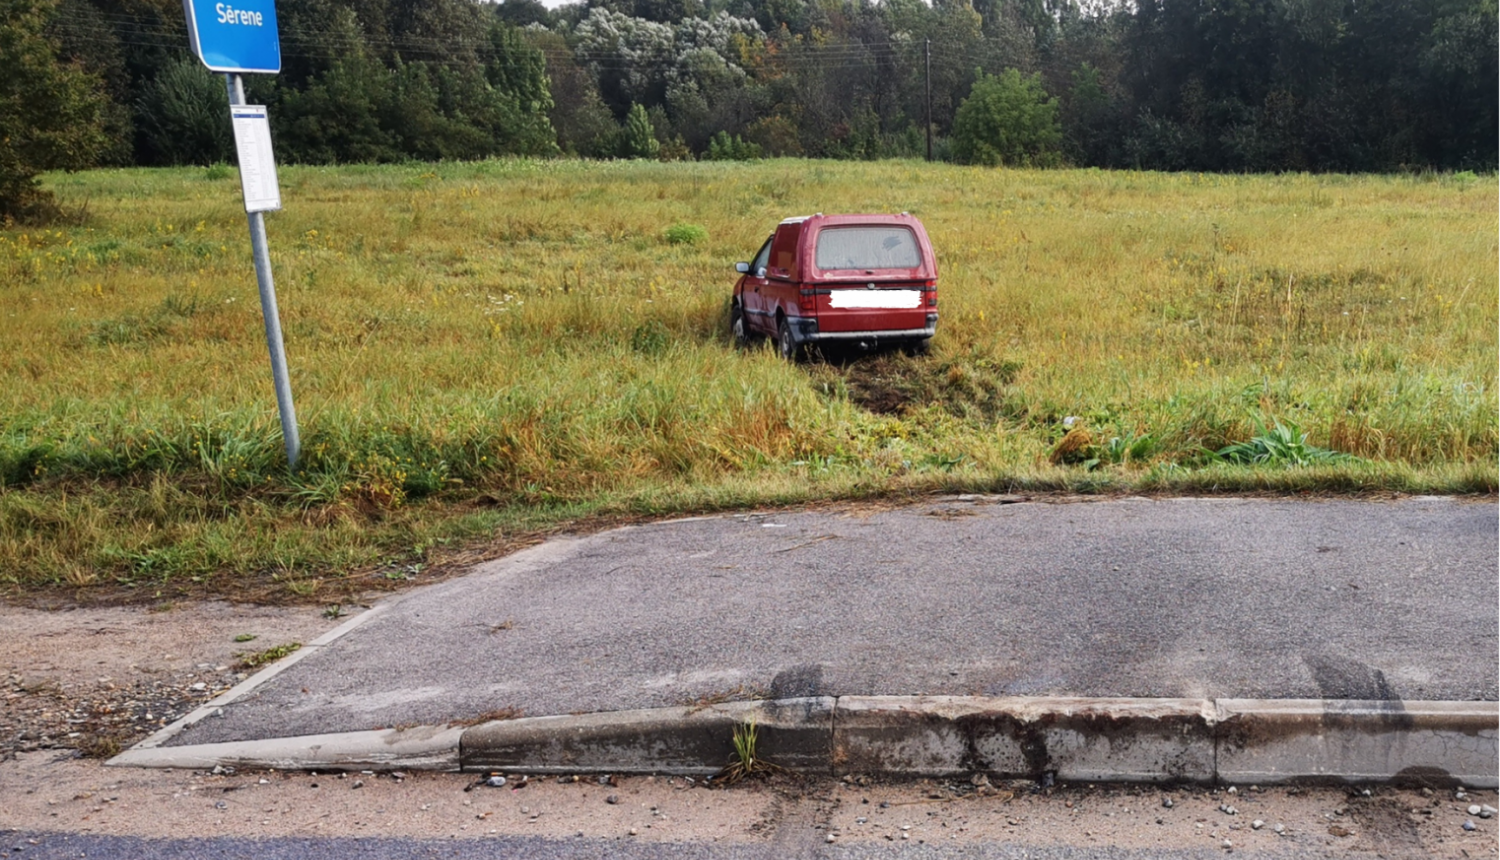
(867, 248)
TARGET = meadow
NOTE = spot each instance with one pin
(480, 352)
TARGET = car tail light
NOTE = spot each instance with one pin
(807, 300)
(930, 288)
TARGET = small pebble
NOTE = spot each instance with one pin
(358, 783)
(831, 838)
(1469, 825)
(1488, 811)
(1257, 824)
(1474, 809)
(1279, 827)
(612, 799)
(634, 832)
(1167, 802)
(495, 781)
(1233, 790)
(1227, 844)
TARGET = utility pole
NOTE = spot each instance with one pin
(927, 82)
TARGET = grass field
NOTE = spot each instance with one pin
(482, 350)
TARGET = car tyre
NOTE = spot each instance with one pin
(739, 327)
(785, 343)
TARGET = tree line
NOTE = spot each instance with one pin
(1216, 85)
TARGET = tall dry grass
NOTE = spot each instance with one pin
(472, 344)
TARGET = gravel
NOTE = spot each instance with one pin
(102, 717)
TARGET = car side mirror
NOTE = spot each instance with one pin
(742, 268)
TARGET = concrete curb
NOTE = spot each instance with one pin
(1097, 740)
(420, 748)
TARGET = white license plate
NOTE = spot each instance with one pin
(865, 299)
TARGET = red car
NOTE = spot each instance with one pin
(857, 279)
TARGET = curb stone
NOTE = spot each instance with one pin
(419, 748)
(795, 733)
(1099, 740)
(1126, 740)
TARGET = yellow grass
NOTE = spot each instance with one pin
(523, 333)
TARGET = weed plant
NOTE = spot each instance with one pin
(492, 347)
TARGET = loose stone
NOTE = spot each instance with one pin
(612, 799)
(1257, 824)
(1469, 825)
(1474, 809)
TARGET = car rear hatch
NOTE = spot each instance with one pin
(871, 277)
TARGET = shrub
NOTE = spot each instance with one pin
(722, 147)
(686, 234)
(638, 139)
(183, 116)
(1007, 119)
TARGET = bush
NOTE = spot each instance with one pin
(183, 116)
(686, 234)
(638, 139)
(1007, 119)
(722, 147)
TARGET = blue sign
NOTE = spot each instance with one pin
(234, 35)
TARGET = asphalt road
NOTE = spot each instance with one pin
(58, 846)
(1171, 598)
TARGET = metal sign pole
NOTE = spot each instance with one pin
(262, 254)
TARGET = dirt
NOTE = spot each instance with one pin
(890, 383)
(51, 792)
(99, 679)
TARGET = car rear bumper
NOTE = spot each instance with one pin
(805, 330)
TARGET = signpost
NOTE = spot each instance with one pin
(239, 37)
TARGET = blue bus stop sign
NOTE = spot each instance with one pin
(237, 36)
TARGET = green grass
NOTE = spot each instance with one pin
(486, 350)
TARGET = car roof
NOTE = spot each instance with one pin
(854, 218)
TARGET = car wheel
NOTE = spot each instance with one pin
(785, 343)
(917, 348)
(738, 329)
